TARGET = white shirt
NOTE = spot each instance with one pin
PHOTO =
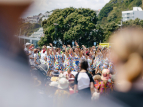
(35, 56)
(83, 81)
(43, 55)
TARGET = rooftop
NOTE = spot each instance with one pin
(134, 9)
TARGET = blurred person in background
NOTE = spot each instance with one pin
(43, 55)
(31, 56)
(15, 78)
(36, 57)
(62, 93)
(105, 86)
(97, 79)
(26, 48)
(127, 57)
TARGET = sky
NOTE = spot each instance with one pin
(41, 6)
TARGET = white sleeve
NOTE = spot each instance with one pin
(46, 53)
(35, 55)
(29, 52)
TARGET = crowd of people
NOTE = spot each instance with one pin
(91, 77)
(88, 71)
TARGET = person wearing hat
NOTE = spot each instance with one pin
(105, 86)
(43, 55)
(62, 93)
(26, 49)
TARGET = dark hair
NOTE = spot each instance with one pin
(87, 53)
(73, 49)
(57, 49)
(84, 64)
(63, 50)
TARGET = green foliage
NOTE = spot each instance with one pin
(105, 10)
(133, 23)
(138, 2)
(73, 24)
(109, 28)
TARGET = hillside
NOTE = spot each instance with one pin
(112, 11)
(27, 28)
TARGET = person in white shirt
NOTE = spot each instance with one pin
(31, 55)
(26, 49)
(43, 55)
(84, 82)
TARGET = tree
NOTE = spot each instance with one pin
(105, 10)
(136, 22)
(113, 15)
(73, 24)
(109, 28)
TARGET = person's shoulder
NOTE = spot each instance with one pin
(88, 73)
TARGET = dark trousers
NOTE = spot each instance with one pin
(85, 93)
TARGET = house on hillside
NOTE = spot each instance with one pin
(32, 19)
(137, 12)
(46, 15)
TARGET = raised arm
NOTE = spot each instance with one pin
(84, 51)
(66, 52)
(54, 52)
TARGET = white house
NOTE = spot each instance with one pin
(32, 19)
(44, 18)
(137, 12)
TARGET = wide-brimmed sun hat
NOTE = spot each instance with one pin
(63, 83)
(27, 44)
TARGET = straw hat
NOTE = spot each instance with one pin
(105, 74)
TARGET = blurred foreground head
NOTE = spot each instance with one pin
(15, 77)
(10, 12)
(127, 55)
